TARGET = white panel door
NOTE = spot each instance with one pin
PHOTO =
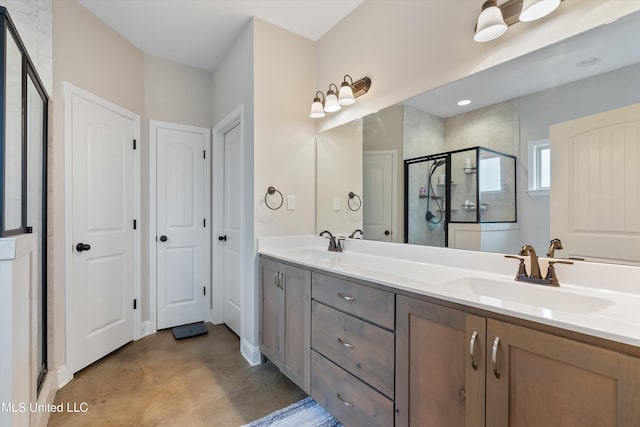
(232, 230)
(102, 232)
(180, 228)
(595, 186)
(377, 196)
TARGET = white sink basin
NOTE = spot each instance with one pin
(543, 297)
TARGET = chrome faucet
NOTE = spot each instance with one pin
(334, 246)
(535, 267)
(553, 245)
(356, 231)
(551, 279)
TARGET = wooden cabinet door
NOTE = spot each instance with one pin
(543, 380)
(440, 374)
(271, 317)
(296, 283)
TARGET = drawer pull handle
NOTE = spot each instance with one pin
(472, 350)
(346, 344)
(346, 297)
(494, 357)
(344, 402)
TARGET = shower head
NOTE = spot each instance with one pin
(438, 163)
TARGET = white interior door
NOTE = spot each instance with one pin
(231, 238)
(378, 195)
(180, 225)
(102, 264)
(595, 186)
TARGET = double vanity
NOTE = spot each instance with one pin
(386, 334)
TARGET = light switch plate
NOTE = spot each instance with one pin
(337, 204)
(291, 202)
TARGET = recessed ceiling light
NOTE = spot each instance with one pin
(464, 102)
(589, 61)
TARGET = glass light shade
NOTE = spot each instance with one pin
(317, 111)
(345, 96)
(536, 9)
(491, 24)
(331, 102)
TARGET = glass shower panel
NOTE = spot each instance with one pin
(426, 215)
(13, 154)
(496, 177)
(464, 203)
(35, 198)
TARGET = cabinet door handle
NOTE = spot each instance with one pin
(494, 357)
(346, 297)
(276, 280)
(344, 402)
(283, 280)
(472, 350)
(346, 344)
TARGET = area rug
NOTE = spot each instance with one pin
(305, 413)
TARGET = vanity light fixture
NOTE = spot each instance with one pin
(490, 24)
(335, 99)
(317, 107)
(494, 20)
(331, 100)
(536, 9)
(345, 96)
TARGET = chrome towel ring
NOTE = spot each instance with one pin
(270, 192)
(352, 196)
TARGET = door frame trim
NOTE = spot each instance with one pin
(233, 119)
(153, 280)
(70, 90)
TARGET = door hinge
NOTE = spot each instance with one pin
(204, 154)
(135, 224)
(134, 144)
(135, 304)
(204, 290)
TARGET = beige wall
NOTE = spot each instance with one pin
(90, 55)
(408, 47)
(177, 93)
(284, 138)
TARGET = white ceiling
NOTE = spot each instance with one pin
(199, 32)
(614, 44)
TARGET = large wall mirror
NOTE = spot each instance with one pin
(573, 180)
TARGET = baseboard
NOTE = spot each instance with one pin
(47, 396)
(250, 352)
(63, 376)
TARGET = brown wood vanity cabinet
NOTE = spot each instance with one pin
(353, 351)
(285, 319)
(446, 359)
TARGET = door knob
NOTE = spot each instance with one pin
(81, 247)
(387, 232)
(222, 238)
(163, 238)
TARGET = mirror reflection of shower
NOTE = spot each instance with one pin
(433, 221)
(425, 208)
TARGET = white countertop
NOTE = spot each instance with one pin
(601, 300)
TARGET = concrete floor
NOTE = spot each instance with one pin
(158, 381)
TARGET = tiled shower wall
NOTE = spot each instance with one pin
(33, 19)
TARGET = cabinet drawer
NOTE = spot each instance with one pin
(347, 398)
(365, 350)
(372, 304)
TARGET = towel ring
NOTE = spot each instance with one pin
(352, 196)
(270, 192)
